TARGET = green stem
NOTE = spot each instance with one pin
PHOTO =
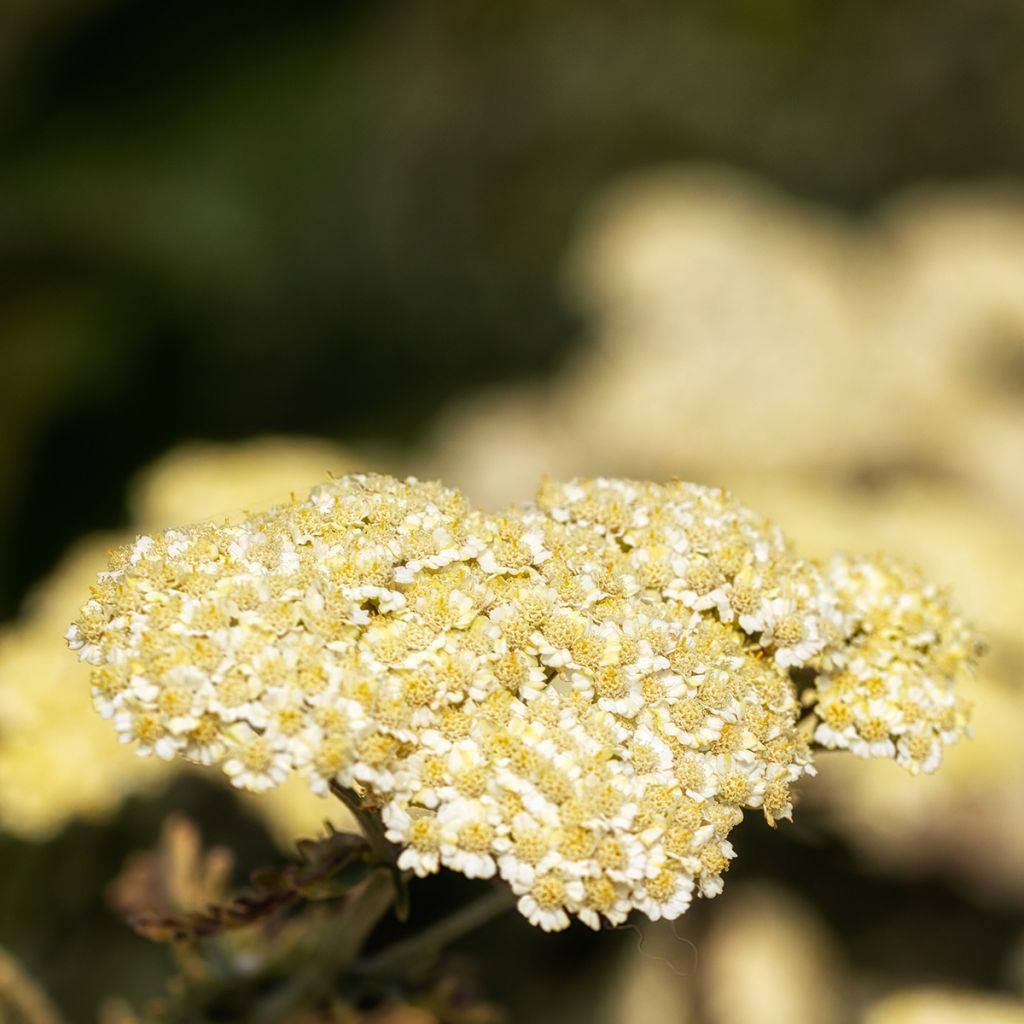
(332, 949)
(434, 939)
(381, 847)
(369, 823)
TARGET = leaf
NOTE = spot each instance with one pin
(178, 893)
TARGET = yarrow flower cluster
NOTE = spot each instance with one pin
(888, 693)
(582, 695)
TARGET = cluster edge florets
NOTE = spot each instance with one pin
(581, 696)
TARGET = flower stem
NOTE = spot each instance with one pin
(380, 846)
(330, 949)
(369, 823)
(434, 939)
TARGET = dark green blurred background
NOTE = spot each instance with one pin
(217, 220)
(333, 218)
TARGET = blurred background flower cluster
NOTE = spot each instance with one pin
(770, 245)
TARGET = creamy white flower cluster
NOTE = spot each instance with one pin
(888, 692)
(581, 696)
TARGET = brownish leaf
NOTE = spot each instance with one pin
(179, 893)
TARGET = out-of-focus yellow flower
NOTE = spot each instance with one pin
(655, 981)
(225, 482)
(955, 315)
(768, 941)
(735, 329)
(22, 998)
(941, 1006)
(57, 760)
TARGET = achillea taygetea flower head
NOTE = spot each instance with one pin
(582, 695)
